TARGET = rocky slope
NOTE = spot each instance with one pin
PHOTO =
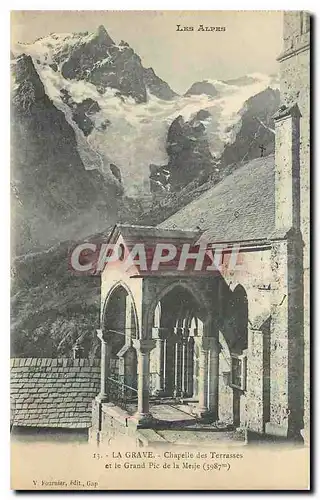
(51, 307)
(53, 196)
(255, 135)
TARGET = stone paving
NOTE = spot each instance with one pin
(196, 436)
(176, 425)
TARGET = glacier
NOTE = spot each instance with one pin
(136, 134)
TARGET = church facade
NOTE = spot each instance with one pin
(226, 338)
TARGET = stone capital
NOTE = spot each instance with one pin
(185, 332)
(144, 346)
(100, 335)
(159, 333)
(209, 344)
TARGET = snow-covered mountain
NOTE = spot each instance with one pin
(121, 112)
(93, 131)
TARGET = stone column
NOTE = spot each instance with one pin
(125, 369)
(104, 368)
(128, 325)
(158, 358)
(143, 348)
(208, 376)
(203, 378)
(178, 363)
(165, 364)
(213, 376)
(190, 349)
(185, 362)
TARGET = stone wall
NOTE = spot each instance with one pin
(111, 424)
(249, 407)
(295, 87)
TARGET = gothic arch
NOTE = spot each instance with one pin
(198, 297)
(233, 322)
(240, 302)
(116, 287)
(174, 364)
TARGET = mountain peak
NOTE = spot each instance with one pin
(204, 87)
(104, 35)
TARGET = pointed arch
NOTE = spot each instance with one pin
(198, 299)
(120, 285)
(240, 306)
(233, 321)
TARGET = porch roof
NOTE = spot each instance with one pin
(153, 233)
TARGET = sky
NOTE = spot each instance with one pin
(251, 42)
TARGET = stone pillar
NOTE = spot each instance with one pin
(203, 378)
(255, 381)
(208, 376)
(286, 341)
(126, 361)
(143, 348)
(196, 367)
(213, 376)
(165, 364)
(190, 354)
(178, 363)
(128, 325)
(185, 363)
(158, 359)
(104, 368)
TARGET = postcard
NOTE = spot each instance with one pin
(160, 200)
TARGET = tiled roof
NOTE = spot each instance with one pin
(53, 392)
(239, 208)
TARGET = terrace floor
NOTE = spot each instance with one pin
(174, 422)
